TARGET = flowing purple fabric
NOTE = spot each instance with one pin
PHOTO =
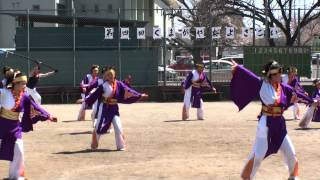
(11, 130)
(32, 114)
(245, 86)
(111, 110)
(85, 83)
(196, 92)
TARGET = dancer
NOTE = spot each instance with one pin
(111, 92)
(276, 97)
(292, 80)
(194, 84)
(34, 77)
(7, 73)
(85, 83)
(128, 81)
(313, 111)
(13, 102)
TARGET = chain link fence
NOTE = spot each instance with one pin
(157, 47)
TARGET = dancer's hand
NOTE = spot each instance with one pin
(234, 65)
(53, 119)
(294, 97)
(214, 90)
(144, 97)
(80, 101)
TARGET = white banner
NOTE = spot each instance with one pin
(215, 32)
(108, 33)
(156, 33)
(246, 32)
(186, 33)
(230, 32)
(124, 33)
(200, 32)
(259, 33)
(171, 33)
(141, 33)
(274, 33)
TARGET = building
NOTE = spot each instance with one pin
(52, 39)
(43, 13)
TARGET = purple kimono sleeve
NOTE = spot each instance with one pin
(209, 82)
(188, 82)
(84, 82)
(93, 85)
(245, 86)
(32, 113)
(288, 90)
(127, 95)
(300, 87)
(91, 98)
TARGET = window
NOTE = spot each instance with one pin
(36, 7)
(96, 8)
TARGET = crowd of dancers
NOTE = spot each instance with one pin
(278, 90)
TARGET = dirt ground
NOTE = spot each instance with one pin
(161, 146)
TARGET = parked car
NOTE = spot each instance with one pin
(220, 70)
(237, 58)
(171, 73)
(314, 58)
(182, 63)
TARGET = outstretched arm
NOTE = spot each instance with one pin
(42, 75)
(91, 98)
(245, 86)
(32, 114)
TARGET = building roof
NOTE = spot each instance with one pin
(80, 20)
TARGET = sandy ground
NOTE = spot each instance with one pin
(161, 146)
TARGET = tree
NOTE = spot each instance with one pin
(203, 13)
(275, 13)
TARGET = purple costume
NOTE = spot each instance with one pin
(85, 83)
(245, 86)
(11, 130)
(197, 87)
(110, 97)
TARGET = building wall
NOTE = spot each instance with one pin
(109, 9)
(8, 24)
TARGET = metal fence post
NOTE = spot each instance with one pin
(254, 28)
(74, 45)
(299, 27)
(318, 59)
(119, 44)
(28, 39)
(164, 50)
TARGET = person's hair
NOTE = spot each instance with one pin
(271, 65)
(94, 66)
(197, 64)
(17, 73)
(292, 69)
(315, 81)
(107, 68)
(5, 69)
